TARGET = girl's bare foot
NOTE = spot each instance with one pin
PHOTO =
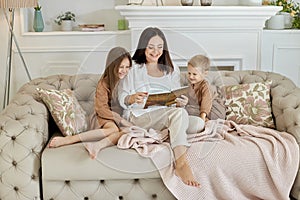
(93, 148)
(59, 141)
(184, 171)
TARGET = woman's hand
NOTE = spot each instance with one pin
(182, 101)
(138, 97)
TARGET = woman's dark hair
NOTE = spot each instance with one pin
(165, 62)
(113, 60)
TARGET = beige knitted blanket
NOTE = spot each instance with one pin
(230, 161)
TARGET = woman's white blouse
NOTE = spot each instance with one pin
(138, 80)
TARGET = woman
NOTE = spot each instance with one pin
(107, 108)
(154, 72)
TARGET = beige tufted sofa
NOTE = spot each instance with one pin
(30, 170)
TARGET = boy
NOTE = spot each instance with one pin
(199, 94)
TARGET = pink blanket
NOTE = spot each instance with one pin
(230, 161)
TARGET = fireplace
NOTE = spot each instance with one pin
(229, 35)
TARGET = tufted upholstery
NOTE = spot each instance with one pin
(30, 170)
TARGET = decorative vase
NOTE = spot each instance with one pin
(205, 2)
(275, 22)
(38, 22)
(66, 25)
(187, 2)
(288, 19)
(122, 24)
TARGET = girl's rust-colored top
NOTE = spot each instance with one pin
(107, 109)
(200, 99)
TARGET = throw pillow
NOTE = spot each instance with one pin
(65, 110)
(249, 104)
(218, 109)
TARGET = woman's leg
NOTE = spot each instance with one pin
(176, 120)
(178, 126)
(182, 167)
(91, 135)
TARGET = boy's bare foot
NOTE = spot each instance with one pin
(59, 141)
(184, 171)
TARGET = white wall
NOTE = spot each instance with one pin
(95, 11)
(92, 11)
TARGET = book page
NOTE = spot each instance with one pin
(165, 98)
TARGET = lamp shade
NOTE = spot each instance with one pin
(18, 3)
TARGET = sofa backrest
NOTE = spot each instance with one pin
(83, 85)
(284, 93)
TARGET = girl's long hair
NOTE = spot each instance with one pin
(165, 62)
(113, 61)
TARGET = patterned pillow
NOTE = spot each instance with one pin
(249, 104)
(65, 110)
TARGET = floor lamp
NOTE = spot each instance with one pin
(10, 6)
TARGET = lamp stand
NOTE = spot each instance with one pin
(12, 38)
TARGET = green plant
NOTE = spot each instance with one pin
(296, 21)
(288, 6)
(65, 16)
(37, 7)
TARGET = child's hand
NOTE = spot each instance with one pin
(182, 101)
(203, 116)
(138, 97)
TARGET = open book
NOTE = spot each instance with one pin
(165, 98)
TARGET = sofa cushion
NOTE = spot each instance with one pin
(65, 110)
(249, 104)
(72, 162)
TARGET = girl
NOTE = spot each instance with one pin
(106, 119)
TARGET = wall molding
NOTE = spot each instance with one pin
(294, 73)
(278, 47)
(230, 17)
(60, 49)
(236, 63)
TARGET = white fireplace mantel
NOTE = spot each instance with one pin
(229, 35)
(241, 17)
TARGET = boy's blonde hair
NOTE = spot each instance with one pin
(200, 61)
